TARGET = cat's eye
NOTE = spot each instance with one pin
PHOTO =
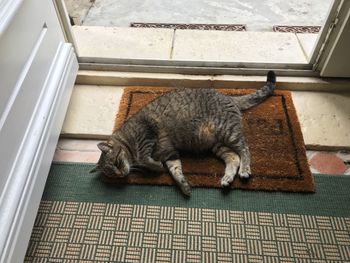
(117, 162)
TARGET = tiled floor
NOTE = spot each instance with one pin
(73, 150)
(86, 151)
(258, 15)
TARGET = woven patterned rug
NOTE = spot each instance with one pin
(82, 219)
(272, 130)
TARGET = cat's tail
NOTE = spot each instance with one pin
(250, 100)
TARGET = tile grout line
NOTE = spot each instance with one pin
(172, 45)
(302, 48)
(87, 12)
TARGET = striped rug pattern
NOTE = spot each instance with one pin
(67, 231)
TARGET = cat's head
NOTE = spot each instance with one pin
(113, 161)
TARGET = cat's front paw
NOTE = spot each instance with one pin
(186, 189)
(160, 165)
(155, 165)
(226, 180)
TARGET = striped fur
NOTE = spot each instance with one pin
(194, 120)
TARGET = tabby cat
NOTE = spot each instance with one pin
(193, 120)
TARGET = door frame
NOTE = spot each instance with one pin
(38, 87)
(206, 67)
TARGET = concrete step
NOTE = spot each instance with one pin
(193, 45)
(91, 111)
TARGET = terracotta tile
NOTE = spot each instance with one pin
(78, 145)
(328, 163)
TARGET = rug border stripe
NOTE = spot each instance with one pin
(72, 182)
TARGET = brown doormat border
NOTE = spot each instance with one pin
(302, 181)
(297, 29)
(221, 27)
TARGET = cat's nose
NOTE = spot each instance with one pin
(118, 173)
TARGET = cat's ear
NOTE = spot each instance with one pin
(104, 147)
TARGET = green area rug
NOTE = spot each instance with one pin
(83, 219)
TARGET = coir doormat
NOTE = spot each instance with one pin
(272, 130)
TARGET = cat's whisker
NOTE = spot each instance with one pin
(136, 169)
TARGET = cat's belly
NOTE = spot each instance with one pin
(202, 138)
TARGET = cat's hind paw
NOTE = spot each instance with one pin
(226, 180)
(244, 176)
(186, 189)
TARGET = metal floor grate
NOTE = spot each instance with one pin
(297, 29)
(221, 27)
